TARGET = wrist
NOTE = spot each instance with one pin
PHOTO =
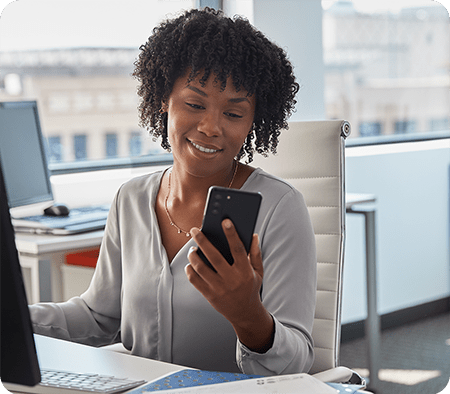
(258, 333)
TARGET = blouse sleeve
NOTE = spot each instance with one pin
(289, 289)
(94, 317)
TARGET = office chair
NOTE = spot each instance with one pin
(310, 156)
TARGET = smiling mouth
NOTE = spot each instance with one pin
(203, 149)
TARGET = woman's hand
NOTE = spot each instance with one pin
(234, 290)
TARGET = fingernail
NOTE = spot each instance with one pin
(227, 223)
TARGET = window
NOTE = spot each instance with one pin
(405, 127)
(377, 64)
(369, 129)
(439, 124)
(82, 101)
(81, 77)
(111, 145)
(80, 146)
(58, 103)
(55, 154)
(135, 143)
(387, 61)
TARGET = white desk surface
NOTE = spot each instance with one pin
(41, 244)
(69, 356)
(73, 357)
(358, 198)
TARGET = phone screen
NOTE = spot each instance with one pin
(240, 207)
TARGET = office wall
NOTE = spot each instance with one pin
(411, 183)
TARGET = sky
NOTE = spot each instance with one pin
(42, 24)
(46, 24)
(391, 5)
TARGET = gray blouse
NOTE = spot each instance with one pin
(138, 298)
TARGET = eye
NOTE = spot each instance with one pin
(195, 106)
(232, 115)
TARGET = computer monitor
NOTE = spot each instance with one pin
(23, 158)
(19, 363)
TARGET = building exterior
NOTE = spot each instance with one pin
(388, 73)
(86, 98)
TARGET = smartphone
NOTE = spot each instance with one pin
(240, 207)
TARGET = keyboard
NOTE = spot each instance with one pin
(71, 382)
(79, 220)
(76, 216)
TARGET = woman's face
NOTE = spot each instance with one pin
(207, 126)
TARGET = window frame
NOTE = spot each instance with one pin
(397, 138)
(110, 164)
(167, 158)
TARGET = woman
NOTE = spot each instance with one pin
(211, 88)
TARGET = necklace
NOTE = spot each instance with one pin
(172, 223)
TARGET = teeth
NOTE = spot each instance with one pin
(203, 149)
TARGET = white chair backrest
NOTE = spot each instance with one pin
(310, 156)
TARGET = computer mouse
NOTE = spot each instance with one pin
(57, 210)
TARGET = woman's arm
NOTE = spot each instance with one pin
(94, 317)
(289, 289)
(234, 290)
(274, 331)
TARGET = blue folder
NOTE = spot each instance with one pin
(192, 377)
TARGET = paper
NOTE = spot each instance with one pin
(284, 384)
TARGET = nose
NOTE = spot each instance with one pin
(210, 124)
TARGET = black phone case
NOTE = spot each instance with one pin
(240, 207)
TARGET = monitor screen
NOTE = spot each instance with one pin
(19, 363)
(22, 154)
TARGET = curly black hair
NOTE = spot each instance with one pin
(207, 42)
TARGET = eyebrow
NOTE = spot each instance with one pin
(202, 93)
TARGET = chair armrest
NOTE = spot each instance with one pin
(340, 375)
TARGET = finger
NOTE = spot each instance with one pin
(201, 270)
(235, 244)
(195, 279)
(209, 250)
(199, 266)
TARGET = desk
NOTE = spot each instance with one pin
(62, 355)
(44, 255)
(68, 356)
(363, 204)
